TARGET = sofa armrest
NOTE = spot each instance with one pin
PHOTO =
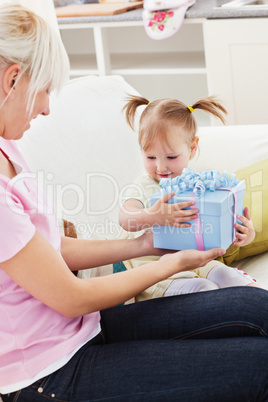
(256, 267)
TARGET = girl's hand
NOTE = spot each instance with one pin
(164, 214)
(244, 233)
(186, 260)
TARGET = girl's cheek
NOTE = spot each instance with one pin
(149, 162)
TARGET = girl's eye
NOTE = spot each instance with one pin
(172, 157)
(150, 157)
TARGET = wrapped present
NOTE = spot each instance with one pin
(218, 197)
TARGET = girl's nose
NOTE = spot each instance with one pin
(161, 166)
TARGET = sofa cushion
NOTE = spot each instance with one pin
(256, 198)
(256, 267)
(85, 153)
(230, 147)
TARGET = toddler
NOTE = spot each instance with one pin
(167, 137)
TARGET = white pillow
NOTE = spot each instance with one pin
(85, 153)
(230, 147)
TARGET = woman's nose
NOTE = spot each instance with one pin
(46, 110)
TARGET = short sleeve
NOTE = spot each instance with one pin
(142, 189)
(16, 228)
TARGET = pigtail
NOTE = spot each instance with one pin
(212, 105)
(133, 102)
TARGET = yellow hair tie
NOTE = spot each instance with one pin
(190, 108)
(148, 103)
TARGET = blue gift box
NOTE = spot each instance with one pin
(215, 224)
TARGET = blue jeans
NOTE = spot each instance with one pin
(207, 346)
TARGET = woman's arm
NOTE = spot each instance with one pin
(82, 254)
(42, 272)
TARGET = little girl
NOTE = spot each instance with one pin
(167, 137)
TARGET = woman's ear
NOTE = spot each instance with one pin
(194, 147)
(10, 78)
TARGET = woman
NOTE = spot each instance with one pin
(60, 336)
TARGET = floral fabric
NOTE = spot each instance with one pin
(162, 18)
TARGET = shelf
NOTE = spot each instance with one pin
(112, 21)
(156, 69)
(84, 64)
(157, 64)
(143, 63)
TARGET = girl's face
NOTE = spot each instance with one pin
(168, 161)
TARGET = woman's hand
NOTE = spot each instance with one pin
(186, 260)
(145, 242)
(165, 214)
(245, 233)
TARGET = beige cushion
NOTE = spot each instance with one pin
(256, 267)
(256, 198)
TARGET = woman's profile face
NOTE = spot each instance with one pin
(17, 118)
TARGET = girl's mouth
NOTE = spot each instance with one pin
(163, 176)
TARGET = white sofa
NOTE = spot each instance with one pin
(85, 154)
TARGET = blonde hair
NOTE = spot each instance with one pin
(161, 113)
(26, 39)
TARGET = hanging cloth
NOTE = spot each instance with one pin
(163, 18)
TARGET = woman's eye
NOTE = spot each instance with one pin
(172, 157)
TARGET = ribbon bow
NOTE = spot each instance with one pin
(197, 182)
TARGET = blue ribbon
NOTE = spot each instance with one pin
(197, 182)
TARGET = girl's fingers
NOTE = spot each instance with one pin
(246, 213)
(182, 225)
(166, 197)
(242, 218)
(241, 236)
(236, 243)
(241, 228)
(185, 218)
(185, 212)
(189, 212)
(186, 204)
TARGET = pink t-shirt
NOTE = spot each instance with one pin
(32, 335)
